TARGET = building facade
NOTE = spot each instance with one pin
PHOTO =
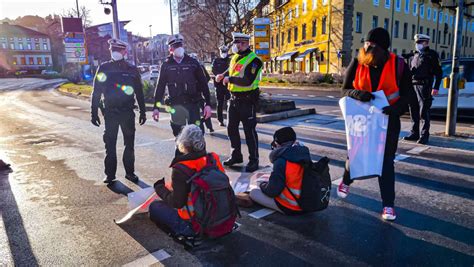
(22, 48)
(324, 35)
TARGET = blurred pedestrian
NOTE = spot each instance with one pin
(221, 65)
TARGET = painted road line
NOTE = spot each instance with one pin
(330, 96)
(401, 157)
(25, 164)
(418, 150)
(311, 96)
(294, 95)
(261, 213)
(279, 94)
(73, 108)
(149, 259)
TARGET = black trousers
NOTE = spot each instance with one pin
(421, 109)
(207, 123)
(126, 121)
(387, 180)
(222, 95)
(242, 111)
(184, 114)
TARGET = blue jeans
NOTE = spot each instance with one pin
(167, 217)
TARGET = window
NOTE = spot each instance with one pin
(451, 20)
(4, 45)
(396, 29)
(45, 46)
(444, 38)
(282, 39)
(23, 60)
(290, 13)
(435, 14)
(449, 39)
(375, 22)
(12, 46)
(440, 16)
(37, 46)
(325, 2)
(428, 13)
(11, 39)
(39, 61)
(376, 2)
(398, 5)
(20, 39)
(405, 30)
(288, 39)
(446, 18)
(315, 4)
(422, 11)
(407, 6)
(413, 31)
(271, 42)
(387, 3)
(415, 8)
(46, 61)
(386, 22)
(277, 40)
(295, 33)
(358, 23)
(28, 39)
(31, 61)
(36, 40)
(428, 31)
(439, 36)
(433, 35)
(315, 28)
(421, 29)
(20, 46)
(45, 40)
(323, 23)
(296, 11)
(303, 32)
(304, 7)
(28, 46)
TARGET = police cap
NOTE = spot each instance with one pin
(116, 43)
(238, 36)
(421, 38)
(175, 38)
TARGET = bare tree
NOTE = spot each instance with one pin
(84, 14)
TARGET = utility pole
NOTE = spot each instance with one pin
(391, 26)
(452, 109)
(329, 36)
(151, 46)
(421, 2)
(77, 8)
(116, 23)
(171, 17)
(437, 29)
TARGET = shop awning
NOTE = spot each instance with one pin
(286, 56)
(302, 55)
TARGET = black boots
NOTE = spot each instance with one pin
(252, 166)
(233, 160)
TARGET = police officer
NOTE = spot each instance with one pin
(187, 85)
(242, 78)
(221, 65)
(119, 83)
(424, 64)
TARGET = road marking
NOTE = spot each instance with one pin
(311, 96)
(73, 108)
(418, 150)
(149, 259)
(279, 94)
(401, 157)
(26, 164)
(261, 213)
(294, 95)
(330, 96)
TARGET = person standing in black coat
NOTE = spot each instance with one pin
(221, 65)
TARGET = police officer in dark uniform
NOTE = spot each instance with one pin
(182, 75)
(119, 83)
(425, 66)
(221, 65)
(242, 79)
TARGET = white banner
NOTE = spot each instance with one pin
(366, 133)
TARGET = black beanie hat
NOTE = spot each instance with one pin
(380, 36)
(284, 135)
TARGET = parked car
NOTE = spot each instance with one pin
(49, 72)
(154, 74)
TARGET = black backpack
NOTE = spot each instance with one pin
(316, 186)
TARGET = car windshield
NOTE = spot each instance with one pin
(466, 69)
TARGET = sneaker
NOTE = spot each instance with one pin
(342, 190)
(252, 166)
(108, 180)
(423, 140)
(221, 123)
(388, 214)
(132, 178)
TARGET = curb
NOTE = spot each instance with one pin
(301, 88)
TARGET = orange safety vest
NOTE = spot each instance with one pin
(196, 165)
(388, 79)
(294, 179)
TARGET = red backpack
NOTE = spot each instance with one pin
(213, 199)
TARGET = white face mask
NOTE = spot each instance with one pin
(418, 47)
(179, 52)
(235, 49)
(223, 55)
(116, 56)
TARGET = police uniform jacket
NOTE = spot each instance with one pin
(119, 82)
(186, 82)
(425, 65)
(250, 74)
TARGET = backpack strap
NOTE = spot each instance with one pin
(400, 66)
(187, 171)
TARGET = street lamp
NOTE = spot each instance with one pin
(115, 23)
(151, 46)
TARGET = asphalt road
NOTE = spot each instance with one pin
(55, 210)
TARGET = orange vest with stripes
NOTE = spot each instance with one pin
(388, 79)
(187, 211)
(293, 180)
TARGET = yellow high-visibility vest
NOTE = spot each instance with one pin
(237, 69)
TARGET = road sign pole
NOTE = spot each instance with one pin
(116, 23)
(452, 109)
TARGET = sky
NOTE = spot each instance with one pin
(142, 13)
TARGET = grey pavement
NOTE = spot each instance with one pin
(56, 211)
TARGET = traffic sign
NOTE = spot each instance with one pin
(74, 40)
(73, 45)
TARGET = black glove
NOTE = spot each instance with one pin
(142, 119)
(159, 183)
(360, 95)
(95, 119)
(390, 110)
(263, 184)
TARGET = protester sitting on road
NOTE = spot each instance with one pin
(4, 166)
(287, 174)
(373, 70)
(174, 213)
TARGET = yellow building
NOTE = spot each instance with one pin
(306, 33)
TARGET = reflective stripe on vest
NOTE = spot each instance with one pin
(237, 69)
(293, 181)
(196, 165)
(387, 83)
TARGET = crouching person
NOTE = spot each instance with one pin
(284, 185)
(183, 211)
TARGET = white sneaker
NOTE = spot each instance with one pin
(388, 214)
(342, 190)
